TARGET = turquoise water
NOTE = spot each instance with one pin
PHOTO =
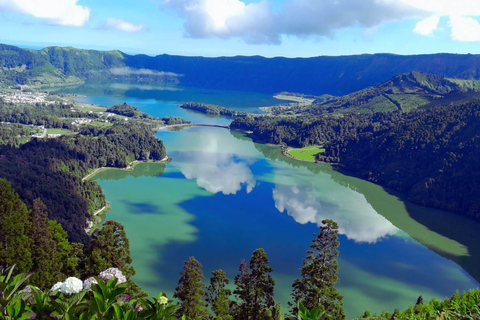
(222, 196)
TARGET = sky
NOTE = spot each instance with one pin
(289, 28)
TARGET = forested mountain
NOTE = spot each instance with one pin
(52, 169)
(403, 92)
(334, 75)
(429, 153)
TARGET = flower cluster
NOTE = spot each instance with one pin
(87, 284)
(70, 286)
(74, 285)
(112, 272)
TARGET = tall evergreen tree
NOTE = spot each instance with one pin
(316, 288)
(218, 295)
(109, 248)
(255, 288)
(54, 257)
(71, 253)
(190, 291)
(14, 223)
(47, 260)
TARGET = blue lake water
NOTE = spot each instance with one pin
(222, 196)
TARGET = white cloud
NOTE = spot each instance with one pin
(355, 219)
(427, 26)
(464, 28)
(258, 22)
(460, 14)
(122, 25)
(57, 12)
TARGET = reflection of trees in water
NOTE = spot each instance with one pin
(405, 215)
(148, 169)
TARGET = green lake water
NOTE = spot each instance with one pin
(222, 196)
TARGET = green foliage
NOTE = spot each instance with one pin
(128, 111)
(314, 314)
(54, 258)
(210, 109)
(14, 223)
(316, 288)
(429, 153)
(52, 169)
(218, 296)
(255, 288)
(109, 248)
(15, 134)
(459, 306)
(190, 291)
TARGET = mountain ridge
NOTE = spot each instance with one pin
(337, 75)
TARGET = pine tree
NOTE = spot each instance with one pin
(47, 261)
(255, 288)
(53, 257)
(14, 224)
(190, 291)
(109, 248)
(71, 253)
(218, 295)
(319, 274)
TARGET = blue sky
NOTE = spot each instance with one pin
(291, 28)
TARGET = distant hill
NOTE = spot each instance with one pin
(402, 92)
(319, 75)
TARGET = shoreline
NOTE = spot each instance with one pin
(129, 167)
(93, 223)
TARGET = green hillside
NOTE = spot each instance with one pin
(403, 92)
(316, 76)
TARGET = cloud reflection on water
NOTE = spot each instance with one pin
(214, 167)
(355, 217)
(220, 173)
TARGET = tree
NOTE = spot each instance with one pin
(14, 223)
(190, 291)
(255, 288)
(218, 296)
(109, 248)
(47, 260)
(316, 288)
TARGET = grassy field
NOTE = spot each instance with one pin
(58, 131)
(101, 124)
(91, 107)
(306, 153)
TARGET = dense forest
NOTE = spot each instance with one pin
(404, 92)
(429, 153)
(52, 169)
(319, 75)
(210, 109)
(133, 112)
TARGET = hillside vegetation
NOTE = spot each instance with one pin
(319, 75)
(426, 151)
(402, 92)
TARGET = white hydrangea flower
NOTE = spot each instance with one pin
(56, 286)
(112, 272)
(163, 300)
(87, 284)
(71, 285)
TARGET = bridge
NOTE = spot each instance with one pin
(195, 125)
